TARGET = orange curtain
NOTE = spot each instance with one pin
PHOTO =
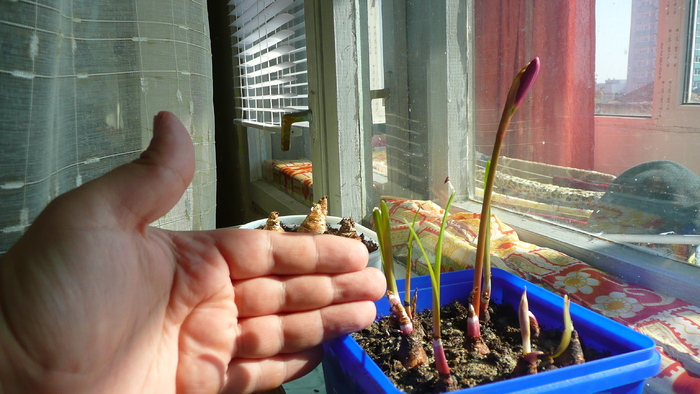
(555, 124)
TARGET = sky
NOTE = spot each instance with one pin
(612, 39)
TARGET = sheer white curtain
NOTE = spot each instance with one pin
(80, 82)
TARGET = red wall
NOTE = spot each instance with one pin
(555, 124)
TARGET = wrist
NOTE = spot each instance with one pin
(11, 356)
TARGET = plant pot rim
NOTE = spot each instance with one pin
(374, 257)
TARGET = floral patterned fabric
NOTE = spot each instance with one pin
(291, 176)
(546, 193)
(563, 194)
(671, 322)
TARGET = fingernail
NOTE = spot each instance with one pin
(157, 119)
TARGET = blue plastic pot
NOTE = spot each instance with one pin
(348, 369)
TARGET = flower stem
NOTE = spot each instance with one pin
(486, 292)
(521, 84)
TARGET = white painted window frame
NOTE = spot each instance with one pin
(341, 137)
(337, 61)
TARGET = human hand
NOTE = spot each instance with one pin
(92, 299)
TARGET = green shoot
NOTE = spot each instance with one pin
(383, 228)
(568, 329)
(434, 270)
(431, 271)
(409, 264)
(435, 267)
(441, 234)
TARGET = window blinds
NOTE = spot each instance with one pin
(271, 57)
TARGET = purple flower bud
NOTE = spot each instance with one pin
(526, 78)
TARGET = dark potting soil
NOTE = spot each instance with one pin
(369, 243)
(501, 334)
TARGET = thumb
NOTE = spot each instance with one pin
(147, 188)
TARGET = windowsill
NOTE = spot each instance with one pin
(623, 116)
(627, 262)
(269, 198)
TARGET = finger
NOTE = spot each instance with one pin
(150, 186)
(277, 294)
(254, 253)
(266, 336)
(253, 375)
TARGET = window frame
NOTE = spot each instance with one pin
(338, 64)
(450, 89)
(670, 110)
(626, 261)
(691, 53)
(341, 132)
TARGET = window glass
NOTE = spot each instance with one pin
(378, 94)
(632, 176)
(625, 56)
(272, 82)
(419, 83)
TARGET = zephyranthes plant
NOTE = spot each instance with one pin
(434, 269)
(527, 363)
(411, 352)
(521, 84)
(383, 228)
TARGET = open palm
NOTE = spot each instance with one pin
(92, 299)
